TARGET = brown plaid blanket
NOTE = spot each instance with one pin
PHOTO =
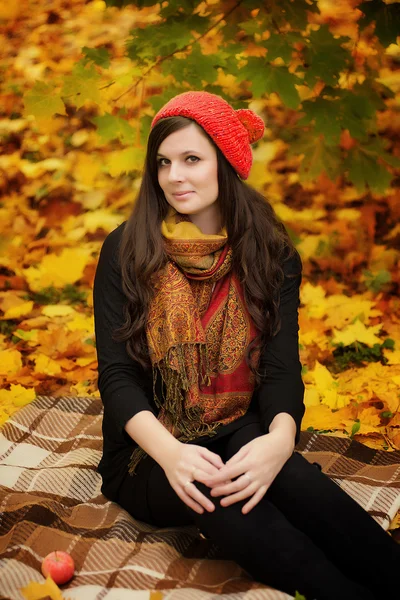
(50, 500)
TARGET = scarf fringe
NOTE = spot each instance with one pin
(186, 419)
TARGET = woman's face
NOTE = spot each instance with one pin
(187, 174)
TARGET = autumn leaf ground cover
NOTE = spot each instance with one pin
(70, 169)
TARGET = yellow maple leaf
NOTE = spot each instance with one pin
(10, 361)
(87, 169)
(124, 161)
(357, 332)
(46, 365)
(85, 360)
(286, 213)
(314, 337)
(20, 310)
(81, 322)
(58, 270)
(16, 396)
(309, 245)
(36, 590)
(393, 356)
(80, 389)
(322, 417)
(326, 386)
(311, 397)
(101, 219)
(34, 170)
(313, 297)
(348, 214)
(342, 310)
(58, 310)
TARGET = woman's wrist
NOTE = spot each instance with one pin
(283, 427)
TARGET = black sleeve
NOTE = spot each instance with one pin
(282, 390)
(121, 381)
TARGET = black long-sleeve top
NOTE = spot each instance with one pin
(126, 388)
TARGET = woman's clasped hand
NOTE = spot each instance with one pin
(248, 474)
(189, 463)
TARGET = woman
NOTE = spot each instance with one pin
(195, 300)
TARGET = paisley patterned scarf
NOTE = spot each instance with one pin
(198, 330)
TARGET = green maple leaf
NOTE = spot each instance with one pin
(195, 68)
(82, 85)
(251, 27)
(110, 127)
(175, 8)
(165, 37)
(42, 103)
(317, 157)
(325, 57)
(100, 56)
(281, 46)
(266, 78)
(386, 18)
(325, 115)
(364, 168)
(294, 12)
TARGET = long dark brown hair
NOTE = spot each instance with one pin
(259, 241)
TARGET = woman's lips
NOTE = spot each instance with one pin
(181, 195)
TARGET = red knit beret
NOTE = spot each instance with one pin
(231, 130)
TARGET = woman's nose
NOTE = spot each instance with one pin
(175, 172)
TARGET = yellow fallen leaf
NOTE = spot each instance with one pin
(36, 591)
(348, 214)
(21, 310)
(313, 298)
(38, 169)
(314, 337)
(309, 245)
(45, 365)
(17, 395)
(393, 356)
(85, 360)
(358, 332)
(101, 219)
(81, 322)
(87, 169)
(58, 270)
(286, 213)
(58, 310)
(311, 397)
(10, 361)
(322, 417)
(365, 429)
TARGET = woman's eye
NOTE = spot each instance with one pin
(161, 162)
(193, 159)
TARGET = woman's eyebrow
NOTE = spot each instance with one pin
(182, 153)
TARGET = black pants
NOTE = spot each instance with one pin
(306, 534)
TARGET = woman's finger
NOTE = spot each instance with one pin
(231, 487)
(241, 495)
(227, 473)
(234, 486)
(254, 500)
(191, 490)
(211, 457)
(189, 501)
(236, 457)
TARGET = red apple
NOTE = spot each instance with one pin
(59, 565)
